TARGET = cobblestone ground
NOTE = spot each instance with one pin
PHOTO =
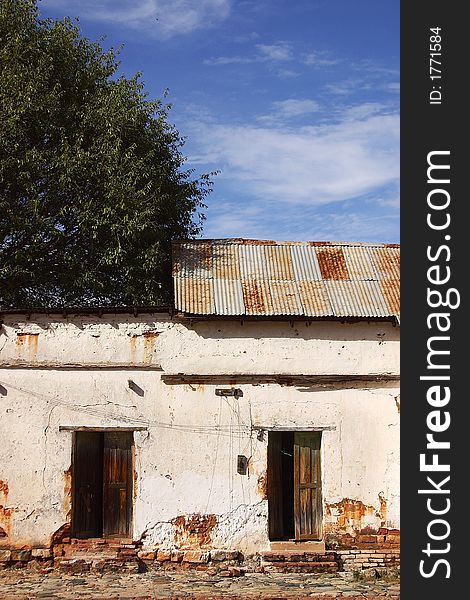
(190, 585)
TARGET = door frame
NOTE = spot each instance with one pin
(131, 474)
(320, 431)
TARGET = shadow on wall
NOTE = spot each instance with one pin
(332, 330)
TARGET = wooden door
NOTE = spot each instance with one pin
(87, 482)
(307, 486)
(274, 482)
(117, 484)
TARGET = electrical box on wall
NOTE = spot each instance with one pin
(242, 464)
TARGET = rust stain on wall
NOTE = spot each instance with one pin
(29, 341)
(397, 403)
(5, 513)
(68, 493)
(5, 521)
(149, 344)
(262, 486)
(383, 509)
(134, 475)
(350, 513)
(134, 338)
(194, 531)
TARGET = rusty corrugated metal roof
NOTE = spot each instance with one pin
(236, 277)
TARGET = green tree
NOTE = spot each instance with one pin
(92, 185)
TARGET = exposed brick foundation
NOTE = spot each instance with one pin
(357, 553)
(358, 560)
(383, 538)
(299, 562)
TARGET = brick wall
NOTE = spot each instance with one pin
(383, 539)
(358, 560)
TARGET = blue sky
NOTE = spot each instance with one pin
(295, 103)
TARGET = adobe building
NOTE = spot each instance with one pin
(255, 422)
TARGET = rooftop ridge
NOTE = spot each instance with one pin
(263, 242)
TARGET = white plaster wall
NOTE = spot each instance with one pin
(186, 460)
(206, 346)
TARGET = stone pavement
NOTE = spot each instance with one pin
(27, 585)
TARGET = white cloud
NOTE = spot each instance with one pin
(276, 52)
(310, 165)
(392, 87)
(164, 18)
(362, 111)
(268, 221)
(287, 73)
(267, 53)
(231, 60)
(373, 66)
(344, 88)
(244, 38)
(351, 226)
(294, 108)
(288, 109)
(319, 59)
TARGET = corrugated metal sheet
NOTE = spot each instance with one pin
(228, 297)
(195, 296)
(257, 297)
(193, 260)
(332, 262)
(391, 291)
(226, 262)
(386, 260)
(285, 297)
(358, 298)
(253, 263)
(306, 267)
(279, 262)
(265, 278)
(359, 263)
(315, 300)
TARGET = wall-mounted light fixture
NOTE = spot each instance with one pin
(236, 392)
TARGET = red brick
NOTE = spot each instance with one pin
(196, 556)
(145, 555)
(21, 555)
(163, 555)
(177, 555)
(393, 539)
(367, 539)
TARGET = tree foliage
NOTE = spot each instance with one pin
(92, 185)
